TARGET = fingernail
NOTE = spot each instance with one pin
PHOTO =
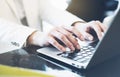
(63, 49)
(72, 48)
(78, 46)
(90, 38)
(100, 38)
(82, 38)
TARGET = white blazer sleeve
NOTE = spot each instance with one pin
(54, 15)
(13, 36)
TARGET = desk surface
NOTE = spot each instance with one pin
(21, 58)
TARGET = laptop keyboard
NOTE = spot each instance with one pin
(82, 55)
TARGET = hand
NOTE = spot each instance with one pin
(85, 29)
(63, 34)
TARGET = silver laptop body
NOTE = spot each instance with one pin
(107, 48)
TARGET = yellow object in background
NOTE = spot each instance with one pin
(7, 71)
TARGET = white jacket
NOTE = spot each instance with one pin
(13, 35)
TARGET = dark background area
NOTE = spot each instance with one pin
(92, 9)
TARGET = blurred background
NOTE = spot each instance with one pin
(87, 9)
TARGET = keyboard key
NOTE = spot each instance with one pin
(82, 55)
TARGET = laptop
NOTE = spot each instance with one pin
(90, 54)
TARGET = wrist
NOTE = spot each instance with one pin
(30, 39)
(37, 38)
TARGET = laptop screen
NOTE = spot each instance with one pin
(109, 45)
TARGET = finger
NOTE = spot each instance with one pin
(74, 41)
(78, 34)
(103, 27)
(70, 37)
(64, 39)
(97, 29)
(75, 32)
(88, 37)
(53, 42)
